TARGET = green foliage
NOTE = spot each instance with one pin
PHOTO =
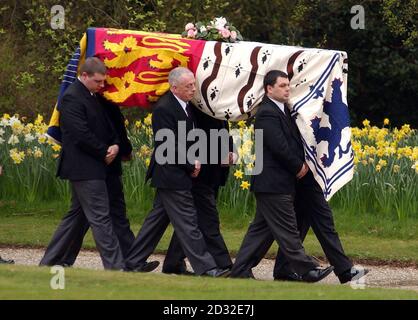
(383, 58)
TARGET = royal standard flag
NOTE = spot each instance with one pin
(229, 79)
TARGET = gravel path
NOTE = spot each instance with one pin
(379, 276)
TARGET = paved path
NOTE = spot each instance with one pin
(379, 276)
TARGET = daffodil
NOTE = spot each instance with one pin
(17, 156)
(29, 137)
(385, 121)
(37, 153)
(42, 139)
(56, 147)
(39, 120)
(13, 140)
(238, 174)
(366, 123)
(382, 162)
(245, 185)
(148, 119)
(396, 168)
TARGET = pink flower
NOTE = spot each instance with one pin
(233, 35)
(191, 33)
(189, 26)
(225, 33)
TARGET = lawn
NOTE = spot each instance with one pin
(363, 237)
(22, 282)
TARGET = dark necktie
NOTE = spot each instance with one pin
(189, 111)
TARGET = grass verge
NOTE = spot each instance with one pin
(22, 282)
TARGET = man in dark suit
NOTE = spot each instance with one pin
(117, 206)
(274, 188)
(172, 177)
(204, 190)
(89, 145)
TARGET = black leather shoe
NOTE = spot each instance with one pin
(316, 274)
(288, 277)
(182, 272)
(146, 267)
(4, 261)
(352, 273)
(217, 273)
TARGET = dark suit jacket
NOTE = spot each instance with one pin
(283, 153)
(166, 114)
(118, 121)
(213, 175)
(86, 135)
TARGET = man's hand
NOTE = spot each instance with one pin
(112, 152)
(196, 170)
(303, 171)
(232, 159)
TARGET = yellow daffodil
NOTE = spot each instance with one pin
(148, 119)
(382, 163)
(39, 120)
(42, 139)
(396, 168)
(238, 174)
(56, 147)
(17, 156)
(366, 123)
(385, 121)
(241, 124)
(245, 185)
(378, 167)
(37, 153)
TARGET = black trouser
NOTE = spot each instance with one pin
(204, 197)
(119, 219)
(313, 211)
(177, 207)
(275, 219)
(90, 201)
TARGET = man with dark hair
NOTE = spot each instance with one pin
(90, 144)
(173, 199)
(117, 206)
(274, 188)
(312, 210)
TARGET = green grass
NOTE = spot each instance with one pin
(363, 237)
(19, 282)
